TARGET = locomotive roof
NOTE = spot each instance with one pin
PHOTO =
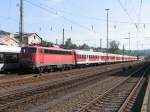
(51, 48)
(10, 49)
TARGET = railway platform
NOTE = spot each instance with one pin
(146, 101)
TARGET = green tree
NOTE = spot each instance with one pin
(69, 44)
(84, 47)
(45, 43)
(114, 47)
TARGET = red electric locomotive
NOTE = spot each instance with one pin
(46, 57)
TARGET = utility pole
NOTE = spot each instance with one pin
(100, 44)
(129, 43)
(56, 41)
(123, 53)
(123, 49)
(63, 42)
(137, 45)
(107, 10)
(21, 23)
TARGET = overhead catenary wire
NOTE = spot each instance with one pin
(125, 10)
(139, 15)
(65, 18)
(133, 8)
(45, 7)
(56, 11)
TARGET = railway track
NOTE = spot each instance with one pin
(25, 96)
(119, 98)
(17, 99)
(22, 80)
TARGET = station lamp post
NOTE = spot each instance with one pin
(129, 38)
(107, 11)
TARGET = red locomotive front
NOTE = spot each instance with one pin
(38, 57)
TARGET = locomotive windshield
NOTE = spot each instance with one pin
(28, 50)
(31, 50)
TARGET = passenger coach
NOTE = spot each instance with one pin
(89, 57)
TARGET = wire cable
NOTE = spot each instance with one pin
(52, 12)
(125, 10)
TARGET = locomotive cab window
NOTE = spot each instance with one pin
(32, 50)
(24, 50)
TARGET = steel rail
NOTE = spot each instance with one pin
(107, 92)
(124, 105)
(63, 85)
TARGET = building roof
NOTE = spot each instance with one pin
(4, 33)
(27, 35)
(7, 38)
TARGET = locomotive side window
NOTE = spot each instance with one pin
(46, 51)
(1, 57)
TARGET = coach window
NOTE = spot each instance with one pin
(11, 58)
(78, 56)
(1, 57)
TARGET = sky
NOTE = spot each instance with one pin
(84, 21)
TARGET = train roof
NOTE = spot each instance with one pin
(10, 49)
(81, 52)
(51, 48)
